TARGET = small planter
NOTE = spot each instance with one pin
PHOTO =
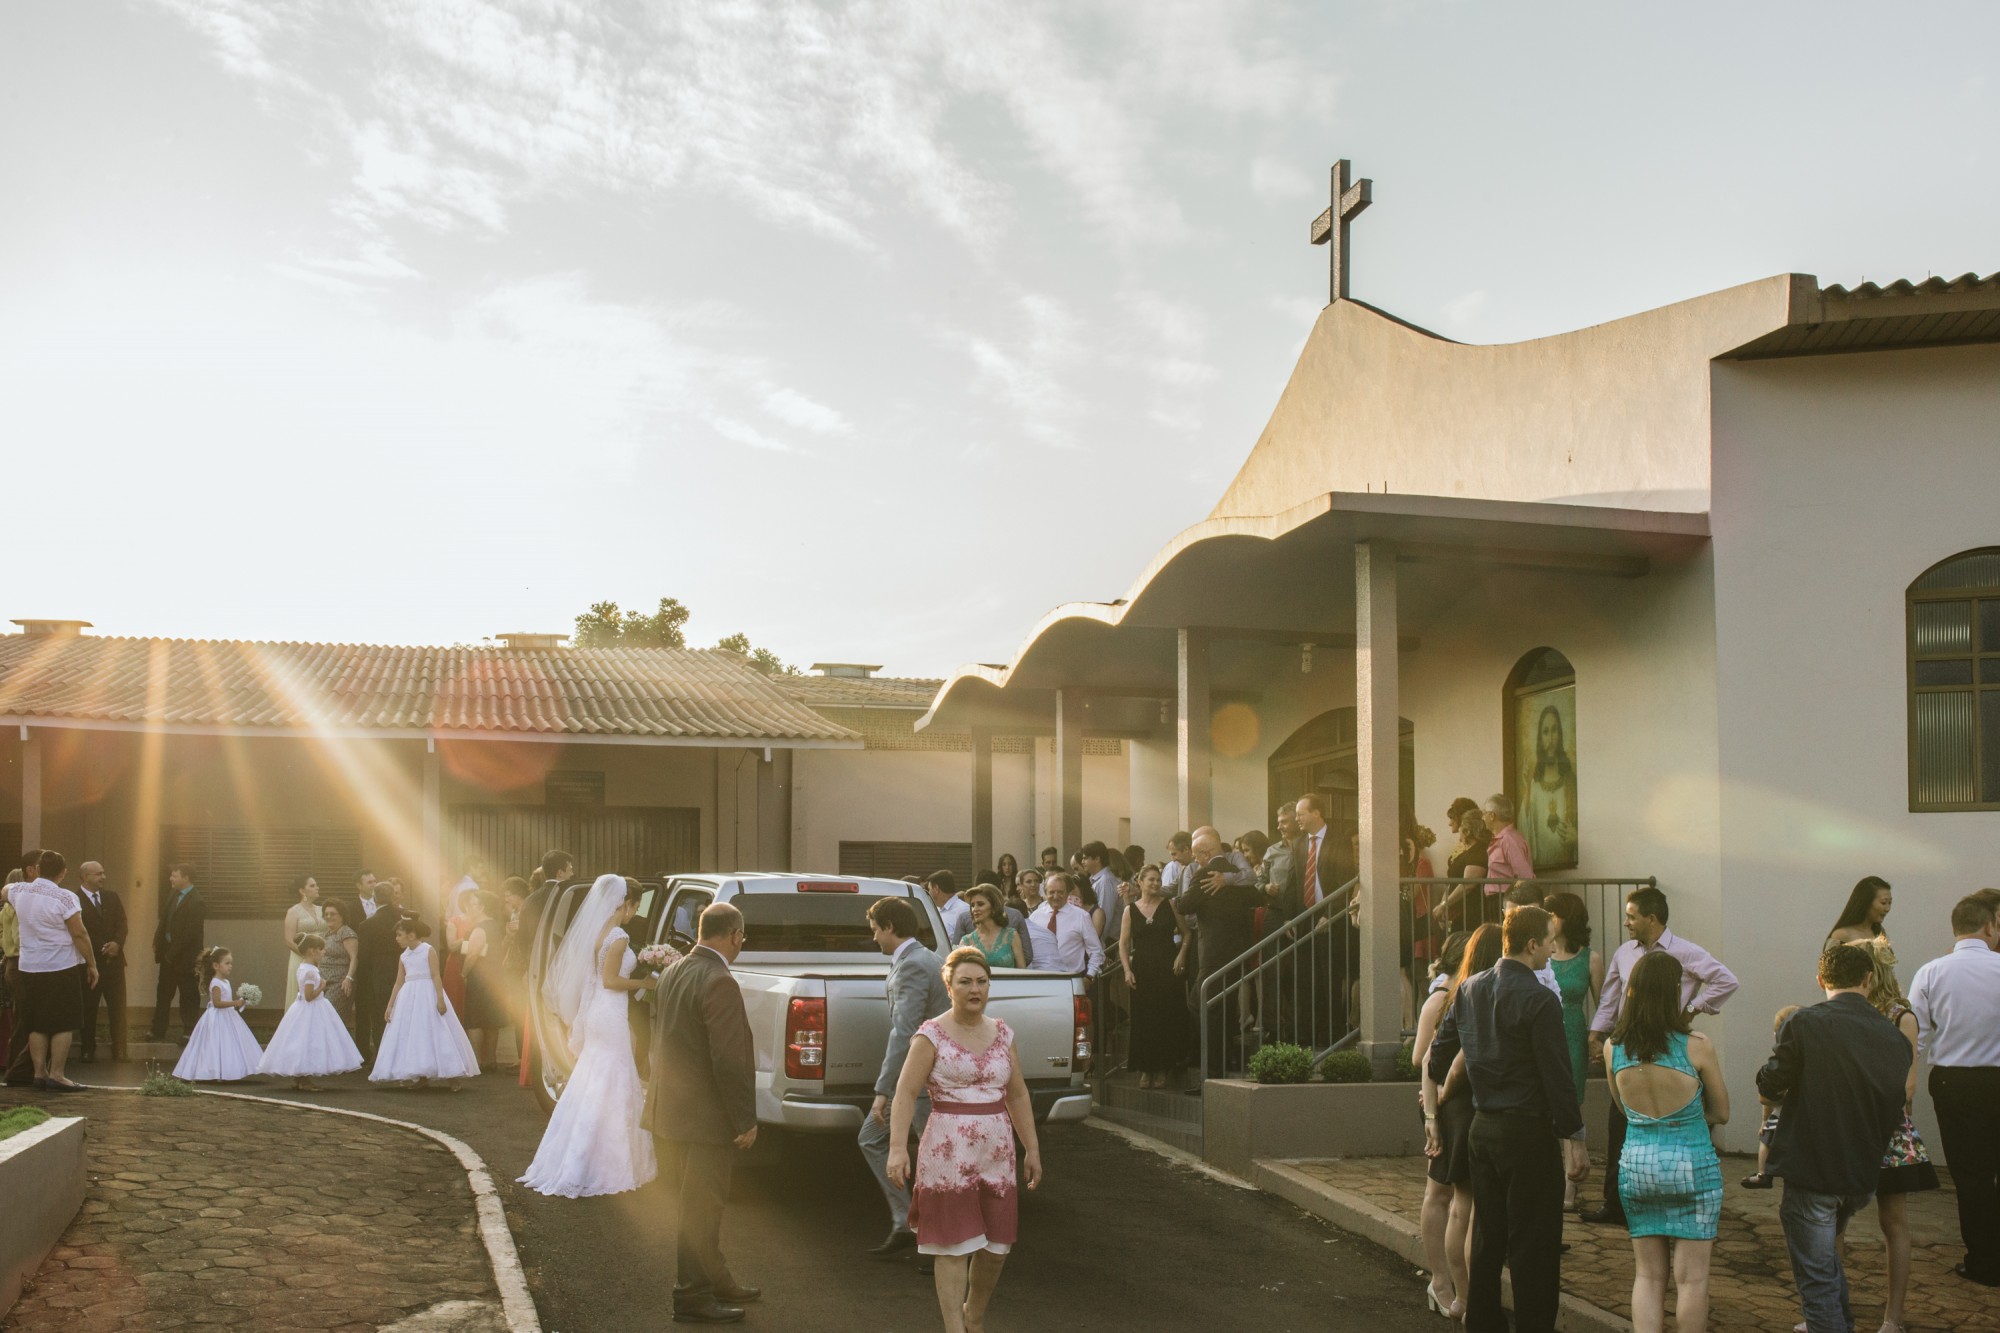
(43, 1173)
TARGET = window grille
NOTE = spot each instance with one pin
(1953, 641)
(248, 872)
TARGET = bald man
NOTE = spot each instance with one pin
(104, 921)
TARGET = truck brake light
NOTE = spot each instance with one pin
(805, 1038)
(1079, 1051)
(828, 886)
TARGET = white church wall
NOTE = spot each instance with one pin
(1838, 481)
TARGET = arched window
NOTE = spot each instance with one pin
(1539, 726)
(1954, 646)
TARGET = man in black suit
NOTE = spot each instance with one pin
(1223, 898)
(104, 921)
(701, 1103)
(177, 945)
(376, 955)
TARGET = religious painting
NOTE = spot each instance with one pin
(1543, 758)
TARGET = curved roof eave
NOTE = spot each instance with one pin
(1267, 527)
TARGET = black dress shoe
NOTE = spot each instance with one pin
(902, 1238)
(738, 1295)
(715, 1312)
(1607, 1213)
(1984, 1280)
(926, 1265)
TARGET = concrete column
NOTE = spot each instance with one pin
(31, 790)
(1069, 771)
(982, 799)
(1192, 732)
(1378, 757)
(432, 866)
(774, 810)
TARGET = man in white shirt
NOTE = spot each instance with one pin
(1956, 999)
(942, 886)
(55, 969)
(1180, 855)
(1063, 937)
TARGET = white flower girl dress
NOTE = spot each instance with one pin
(311, 1041)
(221, 1049)
(420, 1042)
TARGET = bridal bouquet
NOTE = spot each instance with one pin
(251, 994)
(656, 958)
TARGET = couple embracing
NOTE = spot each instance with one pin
(699, 1101)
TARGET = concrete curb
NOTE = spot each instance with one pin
(1400, 1236)
(1168, 1151)
(508, 1275)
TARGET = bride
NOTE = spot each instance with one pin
(594, 1144)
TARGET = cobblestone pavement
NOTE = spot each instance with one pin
(204, 1212)
(1750, 1282)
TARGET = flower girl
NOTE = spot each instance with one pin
(310, 1040)
(220, 1049)
(423, 1039)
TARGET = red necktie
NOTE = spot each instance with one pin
(1312, 869)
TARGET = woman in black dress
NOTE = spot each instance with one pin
(1448, 1135)
(1153, 946)
(485, 996)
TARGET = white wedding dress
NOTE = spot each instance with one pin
(594, 1144)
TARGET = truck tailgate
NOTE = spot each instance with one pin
(1040, 1008)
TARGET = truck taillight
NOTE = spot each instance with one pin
(805, 1038)
(1079, 1050)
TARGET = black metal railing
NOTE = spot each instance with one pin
(1296, 985)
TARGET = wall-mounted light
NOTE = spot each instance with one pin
(1305, 659)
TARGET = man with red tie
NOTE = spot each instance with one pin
(1316, 872)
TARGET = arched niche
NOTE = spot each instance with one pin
(1539, 756)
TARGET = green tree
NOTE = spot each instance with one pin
(763, 659)
(605, 626)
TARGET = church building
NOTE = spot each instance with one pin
(1712, 592)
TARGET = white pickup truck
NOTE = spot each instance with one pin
(813, 985)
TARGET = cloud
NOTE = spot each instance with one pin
(1025, 372)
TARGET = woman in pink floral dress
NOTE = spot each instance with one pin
(964, 1206)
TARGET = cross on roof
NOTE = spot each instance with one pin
(1348, 201)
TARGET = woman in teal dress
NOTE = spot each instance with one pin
(1668, 1082)
(990, 933)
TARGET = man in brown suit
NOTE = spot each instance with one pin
(701, 1104)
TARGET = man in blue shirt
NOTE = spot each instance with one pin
(1505, 1034)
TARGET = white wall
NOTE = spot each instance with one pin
(1838, 480)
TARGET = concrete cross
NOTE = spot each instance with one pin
(1348, 201)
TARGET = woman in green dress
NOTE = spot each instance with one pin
(990, 934)
(1579, 971)
(1668, 1082)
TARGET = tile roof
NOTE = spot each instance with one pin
(860, 691)
(661, 694)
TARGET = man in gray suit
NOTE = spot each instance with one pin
(701, 1104)
(916, 993)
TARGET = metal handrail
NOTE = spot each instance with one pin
(1280, 944)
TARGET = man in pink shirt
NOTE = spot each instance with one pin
(1508, 857)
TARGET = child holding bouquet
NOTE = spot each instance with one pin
(221, 1048)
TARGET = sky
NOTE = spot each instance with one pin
(871, 330)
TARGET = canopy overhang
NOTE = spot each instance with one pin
(1258, 588)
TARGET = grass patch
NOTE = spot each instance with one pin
(21, 1118)
(165, 1085)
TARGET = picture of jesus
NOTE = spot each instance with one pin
(1544, 729)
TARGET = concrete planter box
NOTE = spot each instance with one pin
(1243, 1122)
(42, 1178)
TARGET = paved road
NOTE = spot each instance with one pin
(1117, 1238)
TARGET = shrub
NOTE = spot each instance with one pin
(21, 1118)
(1281, 1062)
(1347, 1067)
(1406, 1068)
(165, 1085)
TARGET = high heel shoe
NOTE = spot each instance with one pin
(1438, 1304)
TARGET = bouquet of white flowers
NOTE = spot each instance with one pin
(251, 994)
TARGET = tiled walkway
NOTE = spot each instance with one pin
(204, 1212)
(1750, 1278)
